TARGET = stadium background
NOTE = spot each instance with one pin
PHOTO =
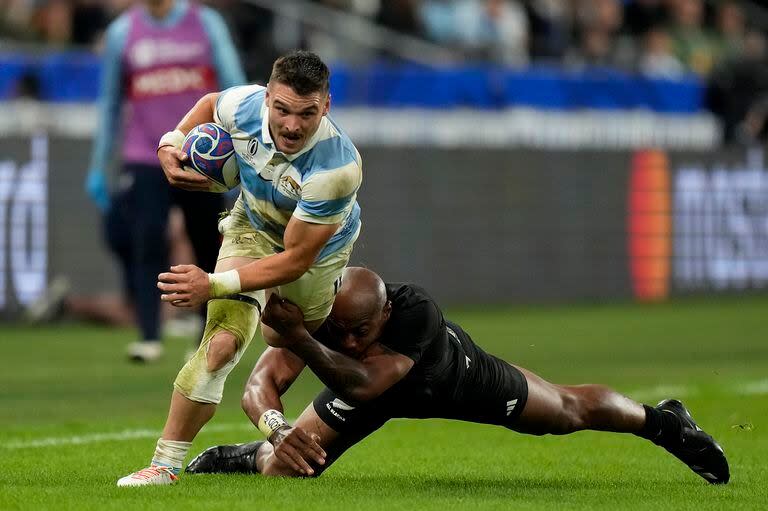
(516, 152)
(504, 141)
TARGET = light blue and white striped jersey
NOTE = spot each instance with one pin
(318, 184)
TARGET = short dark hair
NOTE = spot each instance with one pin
(303, 71)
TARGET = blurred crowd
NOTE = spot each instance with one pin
(657, 37)
(714, 39)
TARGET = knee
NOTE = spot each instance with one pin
(221, 350)
(203, 376)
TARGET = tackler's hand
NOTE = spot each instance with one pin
(285, 318)
(296, 448)
(185, 286)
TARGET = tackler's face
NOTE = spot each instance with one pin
(352, 331)
(294, 118)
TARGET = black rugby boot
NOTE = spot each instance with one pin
(695, 448)
(226, 459)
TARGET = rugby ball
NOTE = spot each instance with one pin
(211, 153)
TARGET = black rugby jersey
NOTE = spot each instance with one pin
(451, 378)
(418, 330)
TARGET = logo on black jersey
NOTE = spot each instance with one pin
(338, 404)
(341, 405)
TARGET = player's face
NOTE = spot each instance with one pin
(293, 119)
(353, 334)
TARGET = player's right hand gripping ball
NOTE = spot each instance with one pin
(212, 154)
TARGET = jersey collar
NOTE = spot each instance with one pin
(266, 136)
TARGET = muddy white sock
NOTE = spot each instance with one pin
(171, 453)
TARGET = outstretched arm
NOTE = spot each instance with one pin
(273, 374)
(355, 381)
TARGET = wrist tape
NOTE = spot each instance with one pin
(224, 284)
(271, 421)
(173, 138)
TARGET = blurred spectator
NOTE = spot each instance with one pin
(252, 30)
(754, 129)
(58, 22)
(333, 44)
(600, 44)
(551, 26)
(731, 30)
(15, 18)
(493, 30)
(367, 8)
(739, 85)
(640, 16)
(657, 60)
(89, 20)
(400, 15)
(489, 30)
(53, 21)
(440, 19)
(694, 44)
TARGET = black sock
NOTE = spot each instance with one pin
(249, 456)
(660, 427)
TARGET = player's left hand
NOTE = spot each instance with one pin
(285, 318)
(172, 161)
(185, 286)
(296, 448)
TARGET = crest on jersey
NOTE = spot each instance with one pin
(289, 187)
(253, 146)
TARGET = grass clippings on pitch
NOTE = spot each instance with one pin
(75, 416)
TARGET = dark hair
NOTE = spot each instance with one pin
(303, 71)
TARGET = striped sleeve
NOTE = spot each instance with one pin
(328, 196)
(228, 103)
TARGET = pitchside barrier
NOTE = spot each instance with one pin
(473, 226)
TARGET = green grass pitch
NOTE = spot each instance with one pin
(75, 416)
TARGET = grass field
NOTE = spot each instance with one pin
(74, 417)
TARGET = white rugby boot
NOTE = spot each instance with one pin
(153, 475)
(146, 351)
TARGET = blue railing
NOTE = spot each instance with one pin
(74, 76)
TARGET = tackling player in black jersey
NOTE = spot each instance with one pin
(386, 351)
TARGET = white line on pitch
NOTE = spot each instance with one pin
(118, 436)
(753, 387)
(644, 394)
